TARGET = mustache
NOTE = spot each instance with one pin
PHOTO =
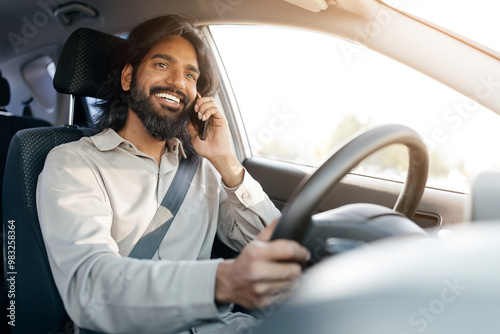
(170, 89)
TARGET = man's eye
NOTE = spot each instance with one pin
(162, 65)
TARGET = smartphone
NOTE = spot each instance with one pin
(199, 125)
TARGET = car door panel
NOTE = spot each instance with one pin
(280, 179)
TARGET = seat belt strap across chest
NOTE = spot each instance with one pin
(149, 242)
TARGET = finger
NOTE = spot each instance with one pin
(203, 101)
(266, 294)
(207, 113)
(275, 272)
(203, 107)
(278, 250)
(287, 250)
(273, 289)
(266, 234)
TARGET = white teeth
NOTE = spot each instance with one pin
(168, 97)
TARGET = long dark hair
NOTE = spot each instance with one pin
(114, 107)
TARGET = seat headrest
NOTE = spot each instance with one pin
(4, 92)
(85, 62)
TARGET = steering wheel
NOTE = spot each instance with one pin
(296, 217)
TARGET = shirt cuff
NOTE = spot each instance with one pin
(247, 193)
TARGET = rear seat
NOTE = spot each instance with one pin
(9, 125)
(4, 93)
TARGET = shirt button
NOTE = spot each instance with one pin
(244, 195)
(130, 146)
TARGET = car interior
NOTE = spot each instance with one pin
(381, 247)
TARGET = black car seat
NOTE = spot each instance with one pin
(82, 67)
(4, 302)
(9, 125)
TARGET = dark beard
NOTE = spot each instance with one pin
(159, 126)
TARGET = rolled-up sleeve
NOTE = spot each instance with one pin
(102, 290)
(244, 212)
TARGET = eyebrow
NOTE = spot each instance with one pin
(174, 60)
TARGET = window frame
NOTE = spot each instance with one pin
(229, 104)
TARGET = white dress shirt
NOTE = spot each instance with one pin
(96, 197)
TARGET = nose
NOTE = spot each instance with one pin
(176, 78)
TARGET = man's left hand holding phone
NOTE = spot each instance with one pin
(199, 124)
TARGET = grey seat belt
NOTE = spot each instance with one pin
(150, 240)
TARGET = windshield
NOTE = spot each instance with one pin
(364, 89)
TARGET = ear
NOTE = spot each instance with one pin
(126, 77)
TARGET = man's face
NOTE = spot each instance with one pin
(163, 88)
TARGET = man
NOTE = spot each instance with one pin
(97, 196)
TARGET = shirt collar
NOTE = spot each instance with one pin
(174, 145)
(109, 140)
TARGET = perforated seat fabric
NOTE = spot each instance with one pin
(39, 308)
(85, 62)
(10, 125)
(83, 66)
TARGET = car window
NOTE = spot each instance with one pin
(301, 94)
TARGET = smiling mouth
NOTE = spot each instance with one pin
(168, 97)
